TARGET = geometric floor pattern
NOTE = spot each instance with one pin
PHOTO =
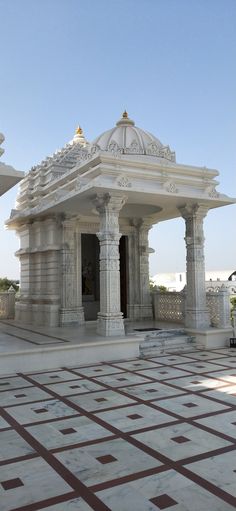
(141, 435)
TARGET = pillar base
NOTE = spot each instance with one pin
(110, 325)
(140, 312)
(199, 319)
(71, 316)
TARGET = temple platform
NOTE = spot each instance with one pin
(26, 347)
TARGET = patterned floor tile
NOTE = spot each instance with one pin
(206, 355)
(106, 461)
(173, 359)
(151, 391)
(121, 379)
(227, 361)
(13, 383)
(13, 446)
(197, 382)
(100, 400)
(219, 470)
(137, 365)
(26, 395)
(190, 405)
(228, 375)
(165, 373)
(81, 386)
(201, 367)
(225, 423)
(167, 490)
(134, 417)
(226, 394)
(97, 370)
(29, 481)
(181, 441)
(44, 411)
(53, 377)
(67, 432)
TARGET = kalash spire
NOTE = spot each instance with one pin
(79, 137)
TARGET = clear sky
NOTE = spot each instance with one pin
(170, 63)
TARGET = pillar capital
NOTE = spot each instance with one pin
(109, 202)
(197, 211)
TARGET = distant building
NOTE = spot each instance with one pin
(214, 279)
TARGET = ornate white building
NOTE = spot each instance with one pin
(83, 217)
(9, 177)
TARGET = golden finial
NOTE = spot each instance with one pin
(125, 115)
(79, 131)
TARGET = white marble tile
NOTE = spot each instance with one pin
(153, 390)
(19, 396)
(39, 482)
(206, 355)
(100, 400)
(197, 382)
(134, 417)
(165, 373)
(97, 370)
(3, 424)
(136, 495)
(190, 405)
(67, 432)
(44, 411)
(219, 470)
(121, 379)
(137, 365)
(227, 361)
(81, 386)
(224, 422)
(200, 367)
(13, 445)
(50, 377)
(226, 394)
(181, 441)
(16, 382)
(173, 359)
(124, 459)
(228, 375)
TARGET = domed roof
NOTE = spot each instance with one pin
(126, 138)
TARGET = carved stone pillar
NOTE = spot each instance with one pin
(196, 313)
(110, 317)
(71, 311)
(140, 300)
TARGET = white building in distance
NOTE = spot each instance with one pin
(213, 279)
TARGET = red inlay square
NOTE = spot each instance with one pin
(67, 431)
(121, 379)
(134, 416)
(54, 376)
(195, 382)
(74, 386)
(106, 459)
(200, 367)
(163, 372)
(180, 439)
(97, 370)
(20, 395)
(163, 501)
(234, 423)
(100, 399)
(189, 405)
(5, 383)
(41, 410)
(138, 364)
(11, 483)
(151, 390)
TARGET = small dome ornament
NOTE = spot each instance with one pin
(125, 115)
(79, 137)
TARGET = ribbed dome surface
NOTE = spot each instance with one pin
(127, 138)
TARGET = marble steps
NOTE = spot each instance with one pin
(167, 342)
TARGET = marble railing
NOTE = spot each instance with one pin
(7, 304)
(170, 307)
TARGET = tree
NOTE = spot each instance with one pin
(5, 283)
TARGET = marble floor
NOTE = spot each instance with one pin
(122, 435)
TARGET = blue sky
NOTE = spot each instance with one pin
(170, 63)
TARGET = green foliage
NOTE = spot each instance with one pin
(233, 302)
(5, 283)
(153, 287)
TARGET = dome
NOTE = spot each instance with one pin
(126, 138)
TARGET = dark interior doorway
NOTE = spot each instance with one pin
(123, 274)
